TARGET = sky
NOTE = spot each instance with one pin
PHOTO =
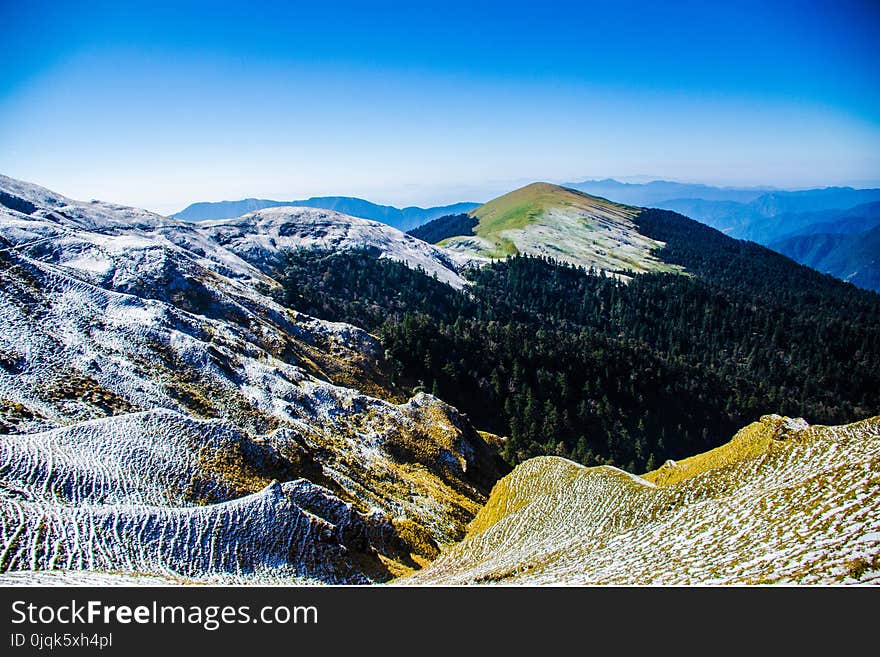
(161, 104)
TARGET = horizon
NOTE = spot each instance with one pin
(162, 106)
(623, 180)
(634, 180)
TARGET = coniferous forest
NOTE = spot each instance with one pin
(569, 362)
(449, 225)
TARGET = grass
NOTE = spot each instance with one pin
(861, 565)
(524, 206)
(564, 224)
(776, 488)
(750, 441)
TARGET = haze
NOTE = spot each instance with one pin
(163, 104)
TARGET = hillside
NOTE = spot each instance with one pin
(852, 257)
(853, 220)
(650, 194)
(450, 225)
(547, 220)
(605, 372)
(261, 237)
(783, 502)
(182, 400)
(772, 218)
(152, 395)
(774, 215)
(400, 218)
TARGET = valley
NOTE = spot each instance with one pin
(296, 395)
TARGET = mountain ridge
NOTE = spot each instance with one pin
(159, 380)
(401, 218)
(747, 514)
(543, 219)
(852, 257)
(147, 333)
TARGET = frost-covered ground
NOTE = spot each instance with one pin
(163, 420)
(260, 236)
(781, 503)
(160, 415)
(546, 220)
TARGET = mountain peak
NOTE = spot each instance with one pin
(402, 219)
(565, 224)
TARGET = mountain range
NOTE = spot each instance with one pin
(850, 256)
(771, 217)
(762, 214)
(299, 395)
(402, 219)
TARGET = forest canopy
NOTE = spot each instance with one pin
(579, 364)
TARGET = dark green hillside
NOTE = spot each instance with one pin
(451, 225)
(568, 362)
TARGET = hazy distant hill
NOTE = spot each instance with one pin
(853, 257)
(402, 219)
(773, 215)
(782, 220)
(740, 212)
(859, 219)
(657, 191)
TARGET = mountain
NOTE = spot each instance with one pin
(852, 257)
(652, 193)
(773, 215)
(858, 219)
(297, 395)
(547, 220)
(163, 415)
(783, 502)
(812, 200)
(611, 370)
(450, 225)
(769, 217)
(729, 209)
(261, 237)
(403, 219)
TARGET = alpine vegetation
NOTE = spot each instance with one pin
(296, 395)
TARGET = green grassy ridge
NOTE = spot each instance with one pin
(781, 502)
(546, 220)
(523, 206)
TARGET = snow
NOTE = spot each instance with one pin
(123, 332)
(162, 417)
(259, 237)
(802, 512)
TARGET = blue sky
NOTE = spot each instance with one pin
(164, 103)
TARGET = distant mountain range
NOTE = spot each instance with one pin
(402, 219)
(657, 191)
(245, 401)
(771, 217)
(853, 257)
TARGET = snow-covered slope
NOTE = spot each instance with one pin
(259, 237)
(150, 394)
(546, 220)
(158, 492)
(782, 502)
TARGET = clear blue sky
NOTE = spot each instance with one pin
(163, 103)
